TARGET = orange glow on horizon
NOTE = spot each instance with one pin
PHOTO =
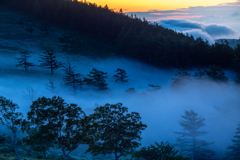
(143, 5)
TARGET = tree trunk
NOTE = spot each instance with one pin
(15, 142)
(65, 157)
(194, 149)
(116, 157)
(44, 154)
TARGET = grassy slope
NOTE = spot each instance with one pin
(15, 38)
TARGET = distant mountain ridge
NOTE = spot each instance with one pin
(235, 14)
(232, 42)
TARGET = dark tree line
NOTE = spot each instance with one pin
(131, 36)
(52, 123)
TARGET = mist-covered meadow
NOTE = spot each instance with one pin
(218, 103)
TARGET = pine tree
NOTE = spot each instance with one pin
(154, 87)
(121, 76)
(23, 61)
(97, 79)
(216, 73)
(74, 81)
(68, 67)
(199, 74)
(10, 118)
(51, 86)
(188, 141)
(183, 77)
(48, 60)
(234, 150)
(71, 79)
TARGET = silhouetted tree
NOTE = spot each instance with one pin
(10, 118)
(64, 123)
(188, 141)
(48, 60)
(2, 139)
(216, 73)
(30, 93)
(68, 67)
(97, 79)
(53, 87)
(38, 138)
(182, 77)
(154, 87)
(23, 61)
(114, 130)
(121, 76)
(163, 151)
(234, 151)
(199, 74)
(74, 81)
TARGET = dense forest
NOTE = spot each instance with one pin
(131, 36)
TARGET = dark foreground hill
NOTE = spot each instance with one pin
(124, 35)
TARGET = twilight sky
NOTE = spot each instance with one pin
(210, 19)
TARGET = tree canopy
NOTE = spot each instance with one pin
(63, 125)
(10, 118)
(115, 131)
(159, 151)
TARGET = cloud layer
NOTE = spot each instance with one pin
(208, 32)
(211, 22)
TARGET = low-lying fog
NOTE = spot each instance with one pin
(219, 104)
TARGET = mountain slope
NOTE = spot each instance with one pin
(123, 35)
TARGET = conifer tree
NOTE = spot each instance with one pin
(216, 73)
(121, 76)
(234, 150)
(188, 141)
(183, 77)
(154, 87)
(97, 79)
(199, 74)
(74, 81)
(68, 67)
(10, 118)
(49, 60)
(23, 61)
(51, 86)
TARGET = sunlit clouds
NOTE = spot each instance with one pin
(222, 19)
(143, 5)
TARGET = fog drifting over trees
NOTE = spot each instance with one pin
(218, 103)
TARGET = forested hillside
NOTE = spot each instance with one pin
(130, 36)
